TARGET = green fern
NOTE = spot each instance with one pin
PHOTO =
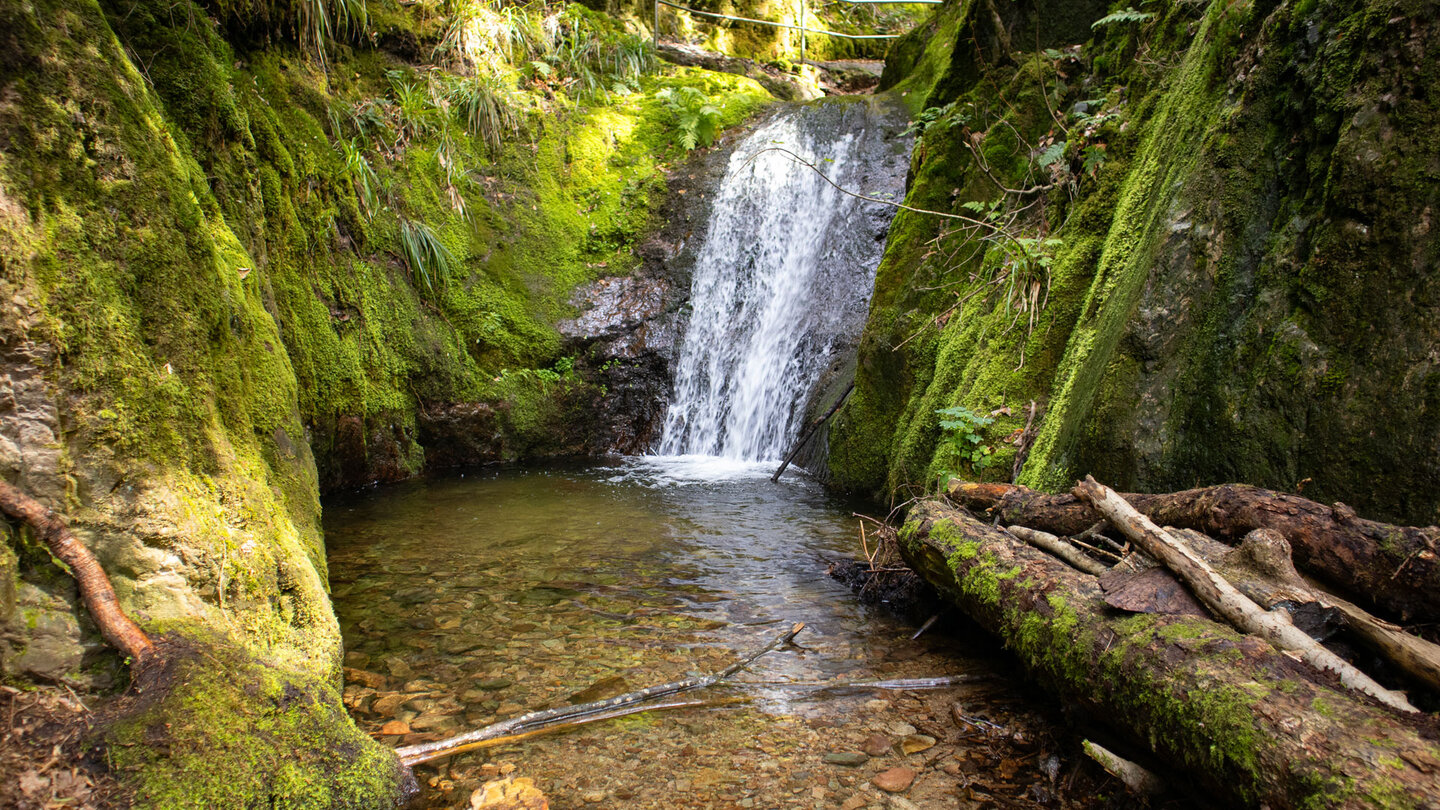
(1129, 15)
(697, 119)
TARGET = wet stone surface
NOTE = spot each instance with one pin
(465, 601)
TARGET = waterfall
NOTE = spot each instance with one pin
(782, 279)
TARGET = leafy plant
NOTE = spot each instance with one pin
(1093, 159)
(697, 118)
(429, 260)
(928, 118)
(1026, 274)
(1129, 15)
(1051, 154)
(964, 441)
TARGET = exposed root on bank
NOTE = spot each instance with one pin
(95, 590)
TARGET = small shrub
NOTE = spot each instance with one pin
(963, 444)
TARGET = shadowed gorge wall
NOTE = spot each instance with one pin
(1240, 278)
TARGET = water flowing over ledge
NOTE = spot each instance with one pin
(783, 277)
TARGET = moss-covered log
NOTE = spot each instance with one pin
(1393, 567)
(1256, 726)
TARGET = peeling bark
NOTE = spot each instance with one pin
(1253, 724)
(1396, 568)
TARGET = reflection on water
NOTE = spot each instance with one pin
(470, 599)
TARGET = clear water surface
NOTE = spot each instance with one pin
(469, 599)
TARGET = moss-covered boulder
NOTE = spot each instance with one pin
(206, 726)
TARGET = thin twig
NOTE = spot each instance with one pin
(993, 228)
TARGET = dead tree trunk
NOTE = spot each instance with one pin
(99, 597)
(1396, 568)
(1257, 726)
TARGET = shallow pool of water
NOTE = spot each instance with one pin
(469, 599)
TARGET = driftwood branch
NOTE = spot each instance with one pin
(424, 752)
(1395, 567)
(95, 590)
(1262, 570)
(1046, 541)
(554, 726)
(1223, 598)
(1136, 777)
(814, 426)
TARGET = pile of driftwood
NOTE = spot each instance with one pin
(1203, 652)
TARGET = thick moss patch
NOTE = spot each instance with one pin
(210, 728)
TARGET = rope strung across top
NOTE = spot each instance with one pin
(804, 28)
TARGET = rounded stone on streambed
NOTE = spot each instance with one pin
(894, 780)
(915, 743)
(876, 745)
(388, 704)
(849, 759)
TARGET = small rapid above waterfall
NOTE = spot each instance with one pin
(783, 277)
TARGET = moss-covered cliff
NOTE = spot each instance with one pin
(223, 244)
(1206, 252)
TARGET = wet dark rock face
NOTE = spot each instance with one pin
(628, 329)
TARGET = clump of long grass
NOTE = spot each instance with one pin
(362, 176)
(430, 262)
(416, 112)
(485, 109)
(317, 22)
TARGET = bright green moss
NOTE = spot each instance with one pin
(221, 730)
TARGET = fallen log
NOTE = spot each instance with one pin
(1251, 723)
(1225, 599)
(1396, 568)
(95, 590)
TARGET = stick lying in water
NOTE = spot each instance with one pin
(625, 711)
(424, 752)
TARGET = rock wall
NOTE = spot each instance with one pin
(1230, 272)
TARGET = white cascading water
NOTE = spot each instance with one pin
(782, 279)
